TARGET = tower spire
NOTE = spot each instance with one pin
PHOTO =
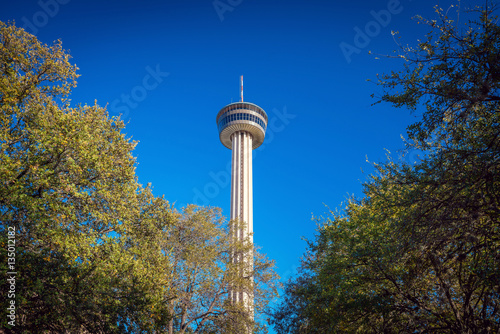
(241, 88)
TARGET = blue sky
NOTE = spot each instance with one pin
(170, 66)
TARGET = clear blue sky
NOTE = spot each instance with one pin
(170, 66)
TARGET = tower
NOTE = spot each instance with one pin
(242, 127)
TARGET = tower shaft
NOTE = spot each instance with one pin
(241, 180)
(242, 128)
(242, 209)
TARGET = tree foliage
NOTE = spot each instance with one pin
(70, 192)
(420, 252)
(200, 249)
(451, 72)
(95, 251)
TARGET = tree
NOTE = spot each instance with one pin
(200, 248)
(420, 252)
(454, 73)
(70, 192)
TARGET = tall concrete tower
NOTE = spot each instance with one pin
(242, 127)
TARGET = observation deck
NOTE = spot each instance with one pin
(242, 116)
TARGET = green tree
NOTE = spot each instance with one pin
(200, 249)
(68, 188)
(420, 252)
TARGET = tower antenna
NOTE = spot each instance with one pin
(241, 88)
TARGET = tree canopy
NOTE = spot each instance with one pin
(203, 272)
(419, 252)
